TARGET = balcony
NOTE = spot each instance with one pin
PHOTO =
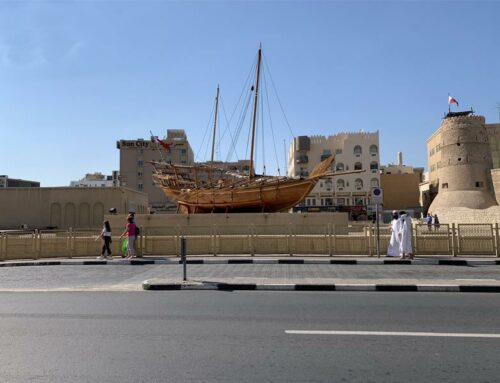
(302, 160)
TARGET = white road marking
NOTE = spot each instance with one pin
(472, 279)
(394, 333)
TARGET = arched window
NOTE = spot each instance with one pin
(373, 165)
(328, 185)
(340, 183)
(357, 150)
(358, 166)
(340, 167)
(373, 150)
(358, 184)
(374, 183)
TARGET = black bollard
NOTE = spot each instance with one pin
(183, 259)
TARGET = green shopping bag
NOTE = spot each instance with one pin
(124, 246)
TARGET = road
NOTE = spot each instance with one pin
(213, 336)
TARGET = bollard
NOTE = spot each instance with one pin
(183, 258)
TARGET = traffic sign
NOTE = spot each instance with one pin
(377, 195)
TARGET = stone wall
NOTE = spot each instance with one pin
(65, 207)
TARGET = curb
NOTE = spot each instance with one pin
(146, 285)
(293, 261)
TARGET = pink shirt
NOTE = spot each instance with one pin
(131, 229)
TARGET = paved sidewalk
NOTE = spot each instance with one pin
(443, 274)
(444, 260)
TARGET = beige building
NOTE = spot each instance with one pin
(460, 162)
(352, 151)
(435, 143)
(135, 171)
(65, 207)
(6, 182)
(97, 180)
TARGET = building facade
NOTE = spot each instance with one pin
(482, 147)
(97, 180)
(6, 182)
(135, 171)
(357, 151)
(65, 207)
(463, 173)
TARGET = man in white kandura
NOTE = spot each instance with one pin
(405, 235)
(393, 248)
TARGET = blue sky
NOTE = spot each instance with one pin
(76, 76)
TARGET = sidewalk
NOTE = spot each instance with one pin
(443, 260)
(283, 273)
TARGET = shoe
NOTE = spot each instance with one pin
(100, 257)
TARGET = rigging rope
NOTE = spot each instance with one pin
(271, 123)
(204, 136)
(277, 97)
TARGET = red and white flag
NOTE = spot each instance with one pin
(452, 100)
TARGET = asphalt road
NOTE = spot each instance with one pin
(126, 277)
(212, 336)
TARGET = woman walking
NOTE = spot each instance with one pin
(106, 237)
(130, 231)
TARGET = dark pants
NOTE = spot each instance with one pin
(105, 247)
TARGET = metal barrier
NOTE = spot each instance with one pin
(327, 240)
(433, 239)
(476, 239)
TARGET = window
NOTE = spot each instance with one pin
(373, 150)
(357, 150)
(340, 167)
(139, 174)
(328, 185)
(140, 186)
(444, 186)
(340, 183)
(140, 163)
(374, 183)
(479, 184)
(183, 151)
(358, 183)
(373, 166)
(358, 166)
(341, 201)
(338, 151)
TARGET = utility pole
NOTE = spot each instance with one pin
(498, 107)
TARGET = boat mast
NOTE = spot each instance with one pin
(213, 137)
(259, 57)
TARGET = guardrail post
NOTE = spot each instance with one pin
(453, 241)
(250, 240)
(496, 240)
(367, 234)
(213, 240)
(34, 240)
(289, 239)
(1, 246)
(329, 239)
(414, 228)
(6, 247)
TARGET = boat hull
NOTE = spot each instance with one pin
(270, 197)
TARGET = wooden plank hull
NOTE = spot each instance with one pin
(269, 197)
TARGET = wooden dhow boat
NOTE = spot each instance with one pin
(204, 188)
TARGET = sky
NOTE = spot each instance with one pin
(77, 76)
